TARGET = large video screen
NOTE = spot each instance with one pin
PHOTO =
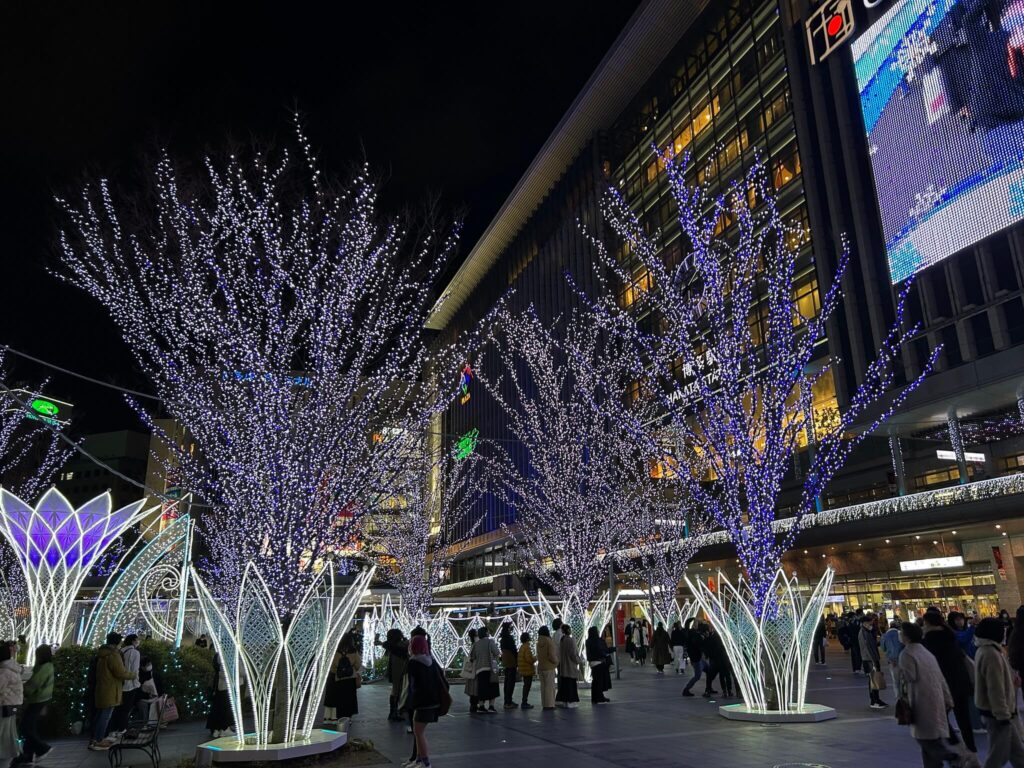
(942, 93)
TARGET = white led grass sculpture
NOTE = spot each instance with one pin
(164, 558)
(255, 643)
(57, 546)
(681, 612)
(770, 655)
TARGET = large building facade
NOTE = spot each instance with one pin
(734, 81)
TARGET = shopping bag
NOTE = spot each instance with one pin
(170, 710)
(877, 680)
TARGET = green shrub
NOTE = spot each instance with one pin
(184, 673)
(68, 706)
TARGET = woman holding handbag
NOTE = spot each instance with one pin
(484, 657)
(928, 698)
(597, 660)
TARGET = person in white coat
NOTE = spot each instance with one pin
(926, 691)
(996, 697)
(11, 696)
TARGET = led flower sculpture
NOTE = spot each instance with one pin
(56, 546)
(774, 648)
(738, 360)
(261, 653)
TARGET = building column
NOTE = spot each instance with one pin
(896, 450)
(957, 441)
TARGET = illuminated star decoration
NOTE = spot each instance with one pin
(467, 444)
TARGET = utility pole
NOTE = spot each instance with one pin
(611, 609)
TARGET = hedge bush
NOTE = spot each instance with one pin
(184, 673)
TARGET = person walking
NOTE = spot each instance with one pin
(427, 689)
(599, 661)
(219, 720)
(1007, 626)
(485, 656)
(695, 650)
(872, 661)
(996, 697)
(11, 697)
(36, 695)
(509, 662)
(925, 690)
(468, 675)
(547, 663)
(661, 649)
(640, 642)
(110, 677)
(819, 642)
(941, 642)
(678, 640)
(630, 648)
(892, 646)
(717, 666)
(568, 669)
(525, 662)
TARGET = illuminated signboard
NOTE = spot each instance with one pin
(465, 379)
(942, 95)
(467, 444)
(828, 27)
(968, 456)
(38, 407)
(931, 563)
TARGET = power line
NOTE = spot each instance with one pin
(82, 376)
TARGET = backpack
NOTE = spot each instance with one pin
(345, 668)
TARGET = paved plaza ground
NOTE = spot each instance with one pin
(647, 725)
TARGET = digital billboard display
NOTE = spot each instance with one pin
(942, 94)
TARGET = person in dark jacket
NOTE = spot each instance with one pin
(661, 649)
(38, 691)
(695, 650)
(396, 648)
(871, 657)
(678, 640)
(509, 662)
(600, 666)
(940, 640)
(427, 686)
(819, 642)
(717, 666)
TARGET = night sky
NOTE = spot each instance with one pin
(445, 99)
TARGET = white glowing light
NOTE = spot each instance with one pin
(56, 546)
(254, 643)
(770, 653)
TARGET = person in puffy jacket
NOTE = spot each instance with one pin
(678, 640)
(928, 695)
(11, 696)
(525, 667)
(110, 677)
(996, 697)
(547, 665)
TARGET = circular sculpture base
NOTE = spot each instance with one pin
(808, 713)
(228, 750)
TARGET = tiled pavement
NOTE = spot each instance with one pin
(647, 725)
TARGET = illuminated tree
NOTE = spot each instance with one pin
(413, 537)
(573, 473)
(737, 361)
(280, 319)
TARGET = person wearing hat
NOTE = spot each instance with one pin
(996, 697)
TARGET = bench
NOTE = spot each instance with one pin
(146, 740)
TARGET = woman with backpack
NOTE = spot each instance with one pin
(427, 697)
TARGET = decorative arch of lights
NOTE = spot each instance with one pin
(57, 545)
(160, 565)
(770, 656)
(681, 612)
(253, 644)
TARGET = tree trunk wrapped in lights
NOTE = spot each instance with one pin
(575, 476)
(738, 360)
(280, 319)
(423, 526)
